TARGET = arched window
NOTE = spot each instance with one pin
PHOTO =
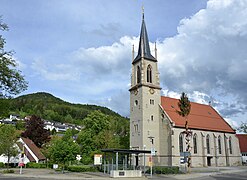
(230, 145)
(138, 73)
(219, 144)
(149, 73)
(208, 144)
(181, 148)
(195, 143)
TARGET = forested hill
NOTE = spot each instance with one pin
(49, 107)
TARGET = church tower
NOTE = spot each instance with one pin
(145, 97)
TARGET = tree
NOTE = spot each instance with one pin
(243, 127)
(36, 132)
(184, 111)
(63, 150)
(20, 125)
(96, 135)
(4, 108)
(11, 80)
(8, 138)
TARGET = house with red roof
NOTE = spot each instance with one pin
(243, 146)
(155, 124)
(31, 152)
(28, 152)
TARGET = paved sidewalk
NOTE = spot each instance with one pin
(51, 174)
(197, 173)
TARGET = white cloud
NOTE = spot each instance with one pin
(55, 72)
(232, 123)
(206, 59)
(105, 60)
(208, 54)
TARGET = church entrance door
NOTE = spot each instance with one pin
(209, 161)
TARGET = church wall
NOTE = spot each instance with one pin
(214, 158)
(165, 141)
(136, 124)
(151, 119)
(235, 157)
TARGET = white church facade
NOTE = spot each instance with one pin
(155, 124)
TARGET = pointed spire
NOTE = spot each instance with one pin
(144, 49)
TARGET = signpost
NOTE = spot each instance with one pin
(184, 158)
(98, 159)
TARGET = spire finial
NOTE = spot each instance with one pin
(142, 11)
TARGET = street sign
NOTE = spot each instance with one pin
(152, 151)
(185, 154)
(78, 157)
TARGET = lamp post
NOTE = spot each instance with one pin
(130, 158)
(152, 153)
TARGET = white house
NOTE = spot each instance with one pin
(27, 150)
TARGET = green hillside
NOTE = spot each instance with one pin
(49, 107)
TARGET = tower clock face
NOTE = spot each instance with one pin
(151, 90)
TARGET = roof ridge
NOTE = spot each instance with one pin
(190, 101)
(199, 117)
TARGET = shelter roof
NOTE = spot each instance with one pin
(126, 151)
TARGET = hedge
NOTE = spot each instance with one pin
(165, 170)
(8, 171)
(35, 165)
(82, 168)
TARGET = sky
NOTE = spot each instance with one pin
(80, 50)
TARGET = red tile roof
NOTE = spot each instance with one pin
(33, 148)
(201, 116)
(242, 138)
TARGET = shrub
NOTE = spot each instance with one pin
(82, 168)
(8, 171)
(165, 170)
(2, 165)
(35, 165)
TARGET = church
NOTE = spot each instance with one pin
(155, 124)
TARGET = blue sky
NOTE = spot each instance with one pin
(80, 50)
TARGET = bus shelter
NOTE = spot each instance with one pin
(122, 159)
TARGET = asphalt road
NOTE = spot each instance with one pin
(231, 176)
(213, 173)
(225, 176)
